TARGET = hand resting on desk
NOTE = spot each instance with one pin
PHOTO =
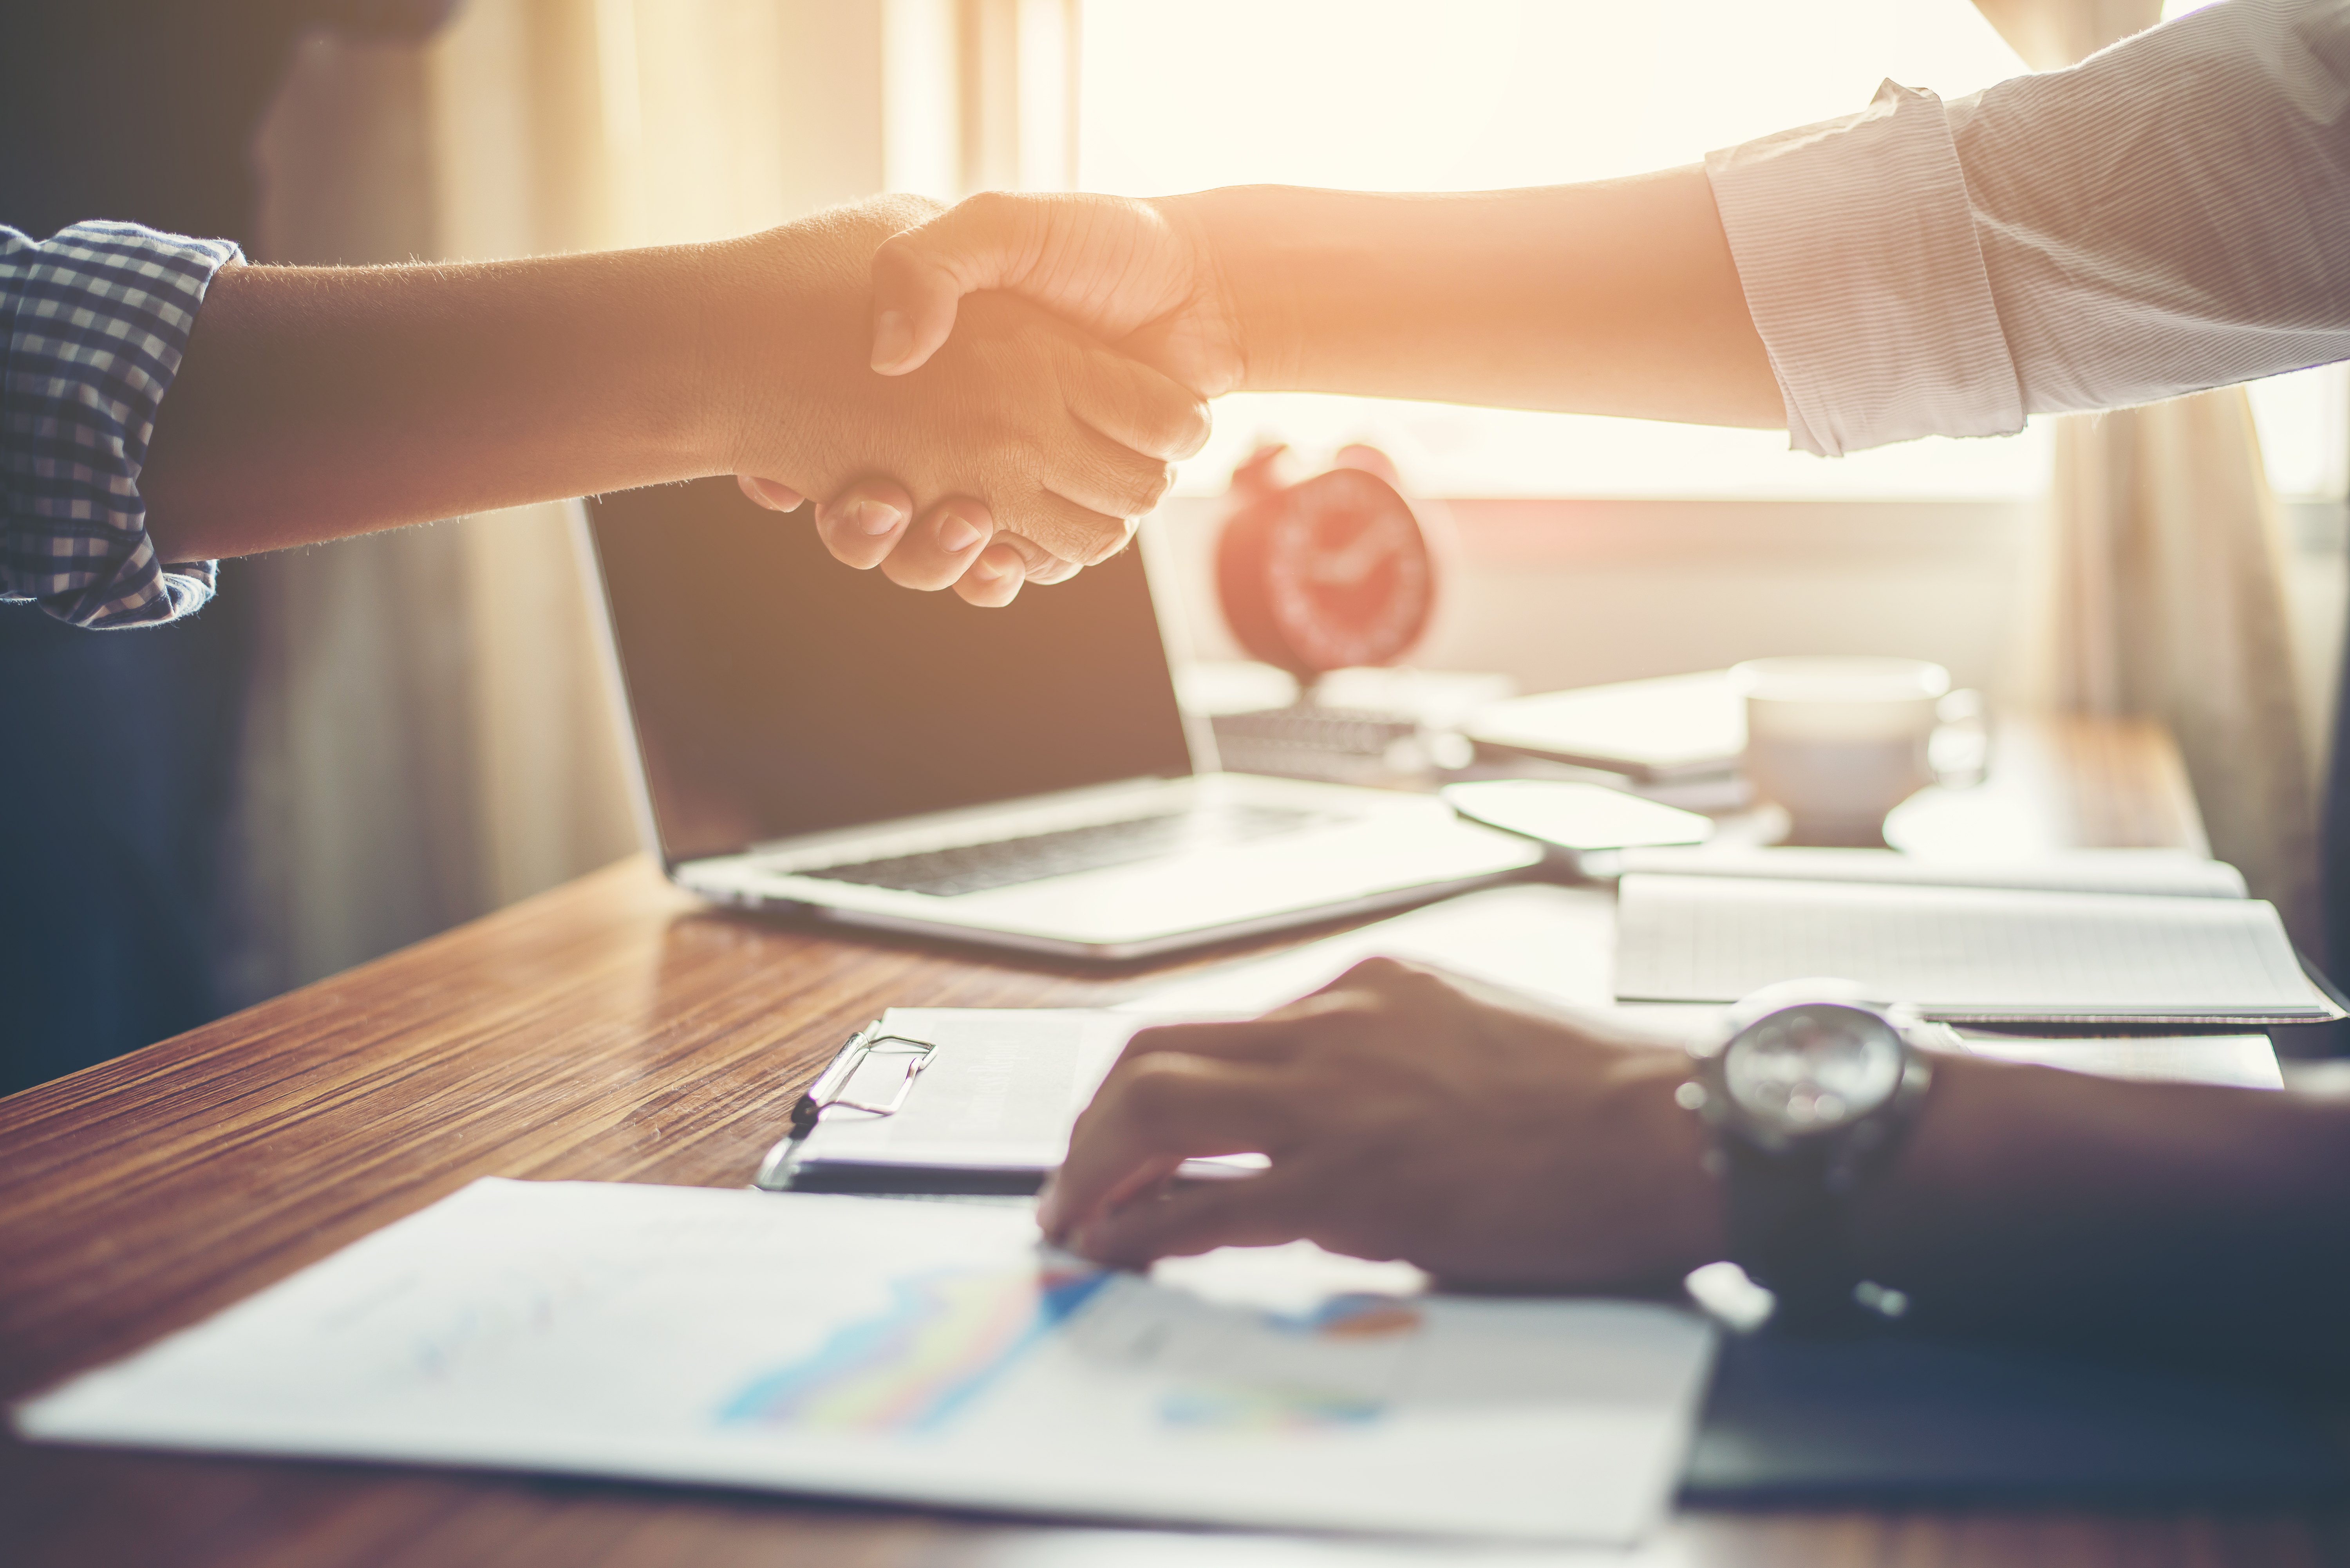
(1406, 1114)
(1494, 1141)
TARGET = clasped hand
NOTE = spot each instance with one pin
(1018, 448)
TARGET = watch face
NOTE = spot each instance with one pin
(1814, 1068)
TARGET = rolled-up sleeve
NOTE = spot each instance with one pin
(1855, 246)
(93, 322)
(2172, 213)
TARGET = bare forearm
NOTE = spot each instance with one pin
(2054, 1204)
(318, 402)
(1619, 297)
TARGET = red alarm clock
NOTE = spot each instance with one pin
(1331, 572)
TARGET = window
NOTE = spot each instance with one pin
(2305, 424)
(2304, 418)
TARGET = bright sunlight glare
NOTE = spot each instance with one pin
(1481, 94)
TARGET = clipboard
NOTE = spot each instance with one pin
(956, 1102)
(874, 1044)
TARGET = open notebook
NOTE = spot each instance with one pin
(2188, 954)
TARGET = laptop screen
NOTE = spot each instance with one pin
(777, 692)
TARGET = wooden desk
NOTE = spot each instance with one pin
(615, 1029)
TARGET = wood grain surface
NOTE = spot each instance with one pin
(613, 1029)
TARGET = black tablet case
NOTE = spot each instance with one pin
(1794, 1422)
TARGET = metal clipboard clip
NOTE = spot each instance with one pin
(831, 1088)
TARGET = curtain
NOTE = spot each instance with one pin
(590, 124)
(430, 735)
(355, 830)
(2159, 586)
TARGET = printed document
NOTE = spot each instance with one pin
(925, 1353)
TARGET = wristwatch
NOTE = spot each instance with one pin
(1807, 1088)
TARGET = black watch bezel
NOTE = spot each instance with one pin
(1788, 1192)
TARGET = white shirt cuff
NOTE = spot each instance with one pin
(1854, 243)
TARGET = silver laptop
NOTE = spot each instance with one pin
(816, 738)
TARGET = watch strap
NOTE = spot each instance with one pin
(1790, 1229)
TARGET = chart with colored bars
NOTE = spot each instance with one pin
(947, 1338)
(928, 1353)
(943, 1337)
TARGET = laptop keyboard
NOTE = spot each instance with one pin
(1007, 862)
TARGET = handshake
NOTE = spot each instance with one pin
(1037, 365)
(977, 397)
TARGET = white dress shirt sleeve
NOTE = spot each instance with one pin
(2172, 213)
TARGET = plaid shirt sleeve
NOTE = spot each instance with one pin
(92, 324)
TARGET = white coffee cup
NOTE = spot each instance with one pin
(1838, 742)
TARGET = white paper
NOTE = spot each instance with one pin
(1555, 943)
(929, 1354)
(1586, 817)
(1961, 952)
(2167, 873)
(1678, 723)
(1558, 943)
(2232, 1061)
(999, 1093)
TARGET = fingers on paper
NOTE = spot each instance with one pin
(1376, 984)
(1154, 1112)
(864, 523)
(1261, 1041)
(1253, 1211)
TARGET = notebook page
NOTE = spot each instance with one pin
(1960, 951)
(2167, 873)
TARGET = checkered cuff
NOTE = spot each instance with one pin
(92, 324)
